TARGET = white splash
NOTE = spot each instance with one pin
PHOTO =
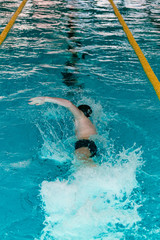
(53, 147)
(94, 202)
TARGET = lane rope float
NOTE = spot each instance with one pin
(147, 68)
(4, 33)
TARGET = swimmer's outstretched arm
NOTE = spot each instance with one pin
(60, 101)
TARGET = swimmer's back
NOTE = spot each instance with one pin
(84, 128)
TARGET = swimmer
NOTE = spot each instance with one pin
(85, 148)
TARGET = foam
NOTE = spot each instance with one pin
(94, 201)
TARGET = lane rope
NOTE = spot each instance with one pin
(147, 68)
(4, 33)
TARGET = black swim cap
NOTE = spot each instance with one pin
(85, 109)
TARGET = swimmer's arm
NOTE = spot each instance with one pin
(60, 101)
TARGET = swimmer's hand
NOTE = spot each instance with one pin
(37, 101)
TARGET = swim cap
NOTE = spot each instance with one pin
(85, 109)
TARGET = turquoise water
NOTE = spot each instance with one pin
(78, 50)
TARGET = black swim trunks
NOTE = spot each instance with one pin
(87, 143)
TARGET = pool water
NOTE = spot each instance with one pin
(77, 50)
